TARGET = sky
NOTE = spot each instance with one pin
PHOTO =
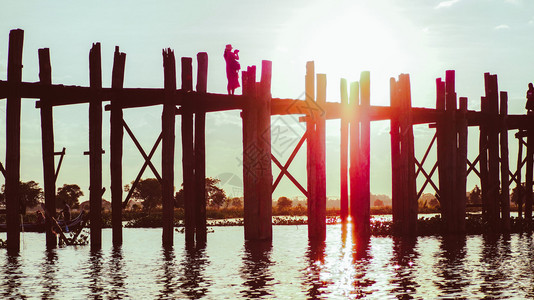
(423, 38)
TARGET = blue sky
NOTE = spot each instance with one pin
(421, 37)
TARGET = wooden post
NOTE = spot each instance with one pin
(483, 161)
(250, 155)
(310, 152)
(461, 172)
(47, 135)
(116, 139)
(519, 186)
(188, 157)
(200, 152)
(396, 174)
(529, 173)
(354, 174)
(95, 147)
(441, 149)
(13, 108)
(265, 182)
(450, 133)
(320, 158)
(362, 220)
(167, 151)
(505, 168)
(344, 152)
(410, 204)
(492, 97)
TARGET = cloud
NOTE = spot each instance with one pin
(447, 3)
(502, 27)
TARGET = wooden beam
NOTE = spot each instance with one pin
(116, 145)
(354, 148)
(13, 108)
(47, 136)
(461, 165)
(492, 96)
(311, 169)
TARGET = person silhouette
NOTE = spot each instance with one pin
(232, 68)
(530, 98)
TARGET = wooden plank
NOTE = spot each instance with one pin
(200, 152)
(505, 168)
(265, 182)
(461, 164)
(95, 147)
(344, 152)
(354, 140)
(320, 158)
(167, 148)
(47, 136)
(116, 147)
(13, 108)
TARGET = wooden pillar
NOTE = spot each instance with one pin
(529, 173)
(505, 168)
(167, 151)
(493, 149)
(200, 152)
(396, 174)
(310, 152)
(441, 149)
(354, 139)
(362, 208)
(47, 135)
(461, 172)
(265, 182)
(344, 152)
(13, 108)
(519, 186)
(320, 159)
(450, 140)
(95, 147)
(116, 139)
(188, 157)
(483, 161)
(409, 188)
(250, 155)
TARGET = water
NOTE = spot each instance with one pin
(228, 268)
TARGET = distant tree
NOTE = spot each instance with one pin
(283, 203)
(475, 196)
(30, 193)
(514, 196)
(148, 191)
(70, 194)
(433, 203)
(236, 202)
(378, 203)
(215, 196)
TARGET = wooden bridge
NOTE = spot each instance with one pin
(450, 121)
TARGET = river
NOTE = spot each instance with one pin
(228, 268)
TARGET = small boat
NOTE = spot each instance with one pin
(32, 227)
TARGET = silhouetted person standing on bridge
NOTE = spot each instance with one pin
(232, 68)
(530, 98)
